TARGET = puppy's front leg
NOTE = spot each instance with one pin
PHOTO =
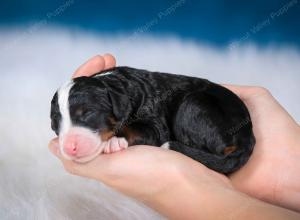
(115, 144)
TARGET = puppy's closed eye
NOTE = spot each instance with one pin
(78, 112)
(84, 114)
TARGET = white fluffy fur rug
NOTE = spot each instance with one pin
(33, 184)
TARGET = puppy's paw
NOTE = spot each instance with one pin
(115, 144)
(123, 143)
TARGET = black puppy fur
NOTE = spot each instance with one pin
(198, 118)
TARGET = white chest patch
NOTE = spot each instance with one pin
(165, 146)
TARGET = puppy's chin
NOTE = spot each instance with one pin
(83, 159)
(90, 157)
(88, 144)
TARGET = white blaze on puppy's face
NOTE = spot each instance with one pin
(79, 143)
(63, 103)
(76, 143)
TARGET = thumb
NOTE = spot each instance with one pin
(69, 165)
(89, 169)
(54, 147)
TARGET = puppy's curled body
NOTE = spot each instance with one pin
(194, 116)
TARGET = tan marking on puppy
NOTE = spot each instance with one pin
(106, 135)
(229, 150)
(130, 135)
(79, 112)
(112, 121)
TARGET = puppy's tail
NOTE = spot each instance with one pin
(222, 163)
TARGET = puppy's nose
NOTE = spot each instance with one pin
(70, 148)
(79, 142)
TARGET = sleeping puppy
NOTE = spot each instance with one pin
(123, 106)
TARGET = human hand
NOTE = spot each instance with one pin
(172, 184)
(272, 172)
(249, 179)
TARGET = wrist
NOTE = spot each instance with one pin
(192, 192)
(195, 198)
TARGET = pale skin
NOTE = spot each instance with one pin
(181, 188)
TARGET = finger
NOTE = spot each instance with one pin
(54, 146)
(110, 61)
(89, 169)
(244, 92)
(69, 165)
(90, 67)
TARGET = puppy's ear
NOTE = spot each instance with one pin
(120, 103)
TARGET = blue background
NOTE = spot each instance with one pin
(215, 22)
